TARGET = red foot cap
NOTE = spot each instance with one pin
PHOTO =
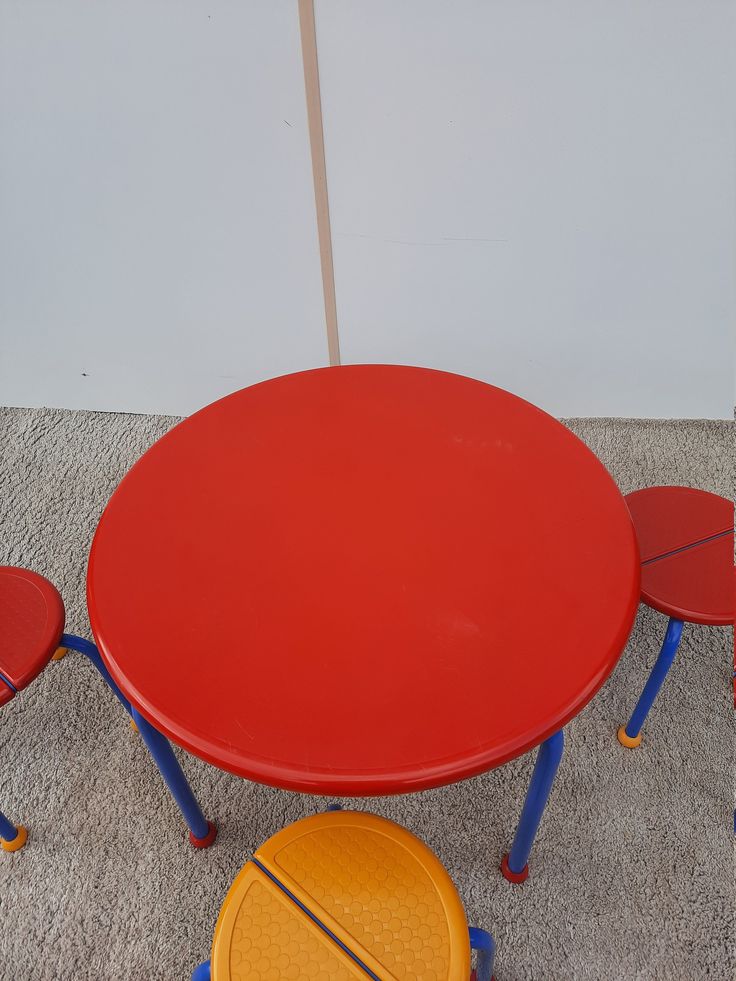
(208, 838)
(513, 876)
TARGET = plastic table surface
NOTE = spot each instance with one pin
(686, 543)
(363, 580)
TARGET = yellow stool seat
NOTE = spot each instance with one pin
(338, 896)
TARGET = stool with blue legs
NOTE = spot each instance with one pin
(343, 896)
(686, 546)
(32, 625)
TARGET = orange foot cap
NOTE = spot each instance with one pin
(630, 742)
(17, 842)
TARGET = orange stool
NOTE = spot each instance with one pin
(342, 896)
(32, 622)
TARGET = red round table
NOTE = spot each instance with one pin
(363, 580)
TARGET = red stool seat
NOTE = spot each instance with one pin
(6, 692)
(31, 625)
(686, 544)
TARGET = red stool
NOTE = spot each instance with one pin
(686, 545)
(31, 623)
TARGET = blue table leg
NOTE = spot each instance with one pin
(482, 941)
(201, 832)
(630, 736)
(515, 865)
(202, 973)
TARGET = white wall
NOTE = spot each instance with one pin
(537, 193)
(157, 238)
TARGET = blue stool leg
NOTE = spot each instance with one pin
(87, 648)
(630, 736)
(11, 838)
(8, 830)
(201, 832)
(515, 865)
(202, 973)
(482, 941)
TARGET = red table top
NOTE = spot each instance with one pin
(686, 543)
(363, 580)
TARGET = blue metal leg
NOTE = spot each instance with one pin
(334, 806)
(87, 648)
(201, 831)
(202, 973)
(630, 736)
(8, 831)
(515, 865)
(482, 941)
(12, 838)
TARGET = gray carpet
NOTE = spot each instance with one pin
(632, 875)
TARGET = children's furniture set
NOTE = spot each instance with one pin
(361, 545)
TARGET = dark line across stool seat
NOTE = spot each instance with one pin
(6, 691)
(686, 544)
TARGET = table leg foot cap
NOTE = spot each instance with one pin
(17, 842)
(59, 653)
(208, 838)
(513, 876)
(630, 742)
(133, 725)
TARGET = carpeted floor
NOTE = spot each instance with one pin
(632, 875)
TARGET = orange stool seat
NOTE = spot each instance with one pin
(339, 896)
(31, 625)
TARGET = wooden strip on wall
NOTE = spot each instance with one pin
(319, 172)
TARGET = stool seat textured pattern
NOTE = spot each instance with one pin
(272, 939)
(342, 895)
(32, 618)
(377, 890)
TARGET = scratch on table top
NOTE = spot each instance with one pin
(240, 725)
